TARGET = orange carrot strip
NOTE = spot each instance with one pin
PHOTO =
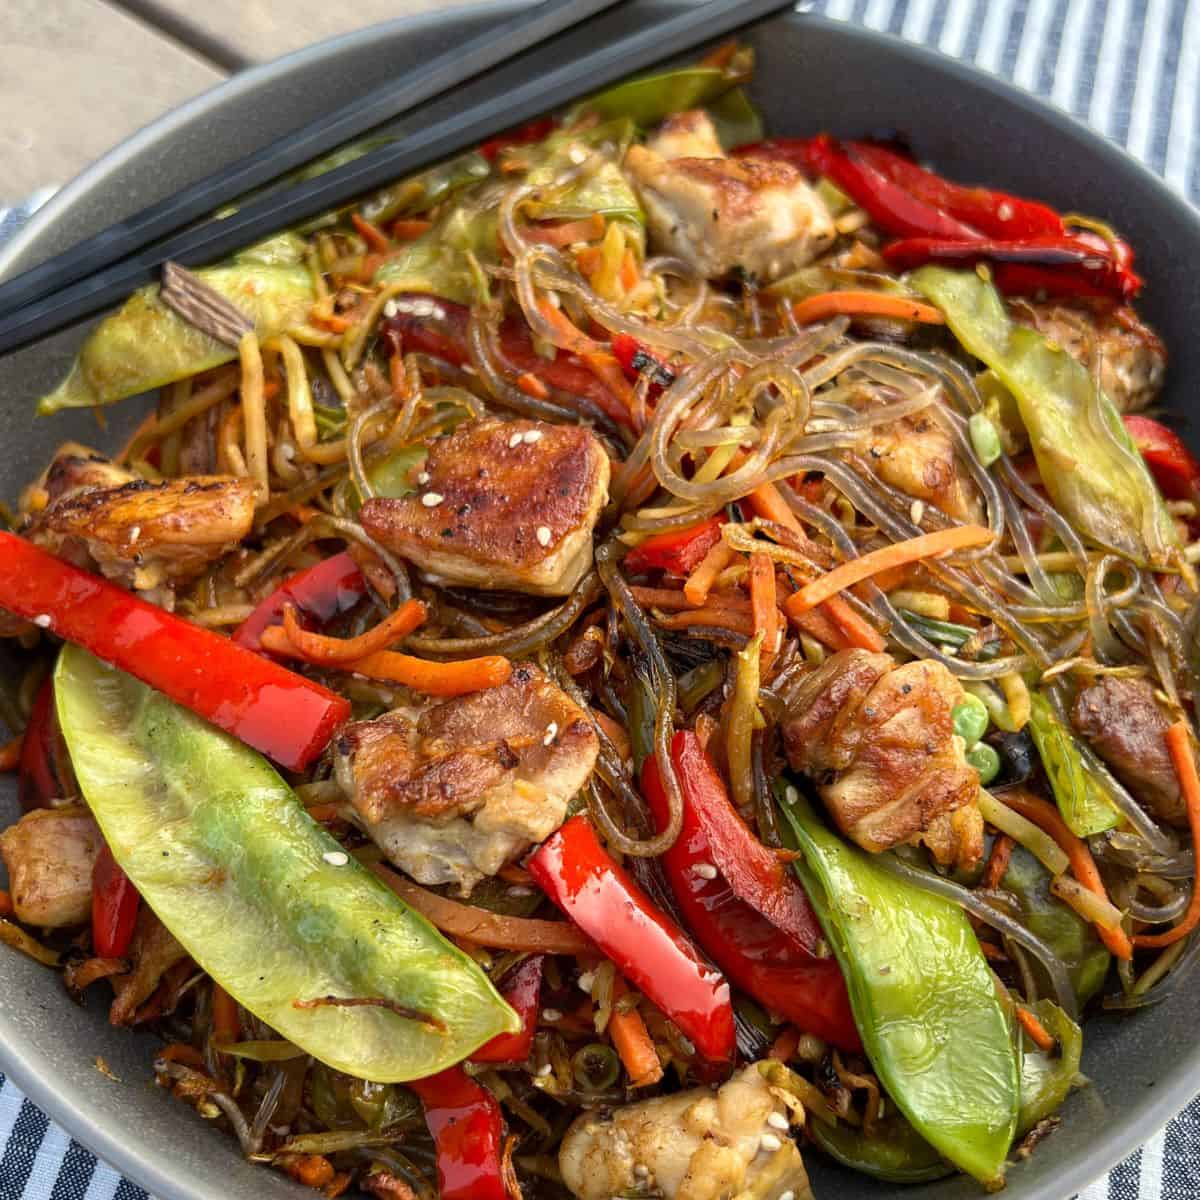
(515, 875)
(588, 229)
(408, 229)
(568, 337)
(846, 574)
(717, 618)
(319, 648)
(181, 1052)
(10, 753)
(226, 1024)
(1179, 744)
(589, 260)
(1043, 814)
(700, 581)
(531, 385)
(673, 600)
(606, 368)
(333, 322)
(323, 812)
(629, 271)
(865, 304)
(1036, 1030)
(633, 1043)
(818, 624)
(858, 632)
(785, 1045)
(762, 605)
(313, 1170)
(998, 861)
(371, 233)
(768, 503)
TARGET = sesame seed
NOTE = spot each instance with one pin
(336, 858)
(917, 511)
(134, 534)
(770, 1142)
(515, 440)
(551, 1014)
(518, 890)
(390, 309)
(544, 1070)
(432, 499)
(551, 733)
(778, 1121)
(544, 535)
(790, 794)
(423, 478)
(577, 154)
(1005, 212)
(788, 1195)
(585, 980)
(534, 435)
(705, 870)
(42, 620)
(641, 1170)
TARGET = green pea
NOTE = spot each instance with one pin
(984, 439)
(970, 717)
(986, 761)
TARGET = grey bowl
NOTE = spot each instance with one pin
(814, 74)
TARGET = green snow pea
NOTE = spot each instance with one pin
(1047, 1079)
(894, 1152)
(1088, 463)
(924, 1000)
(145, 345)
(259, 894)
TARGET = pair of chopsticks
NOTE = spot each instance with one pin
(104, 269)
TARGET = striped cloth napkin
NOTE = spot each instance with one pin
(1131, 70)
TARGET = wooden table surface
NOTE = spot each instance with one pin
(81, 75)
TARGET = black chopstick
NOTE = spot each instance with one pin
(198, 200)
(679, 32)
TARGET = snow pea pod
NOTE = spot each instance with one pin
(894, 1151)
(1087, 460)
(923, 997)
(145, 345)
(260, 895)
(1047, 1079)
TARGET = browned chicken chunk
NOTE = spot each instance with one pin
(503, 504)
(153, 952)
(1131, 356)
(1124, 724)
(453, 791)
(917, 456)
(49, 854)
(142, 534)
(879, 741)
(723, 214)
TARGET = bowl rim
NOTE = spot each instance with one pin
(100, 1136)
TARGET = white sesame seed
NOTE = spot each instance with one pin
(551, 1014)
(533, 435)
(518, 890)
(1005, 212)
(423, 478)
(577, 154)
(778, 1121)
(917, 511)
(705, 870)
(769, 1142)
(432, 499)
(641, 1170)
(544, 535)
(551, 733)
(134, 534)
(585, 980)
(336, 858)
(788, 1195)
(544, 1070)
(790, 794)
(42, 620)
(515, 440)
(390, 309)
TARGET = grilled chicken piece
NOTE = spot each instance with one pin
(1132, 358)
(504, 504)
(453, 791)
(1125, 725)
(694, 1145)
(879, 741)
(917, 456)
(688, 134)
(153, 952)
(88, 510)
(49, 854)
(722, 215)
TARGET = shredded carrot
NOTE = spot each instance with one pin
(993, 952)
(332, 321)
(763, 605)
(785, 1045)
(846, 574)
(857, 631)
(486, 928)
(1179, 745)
(589, 229)
(568, 337)
(313, 1170)
(1043, 814)
(422, 675)
(323, 812)
(606, 368)
(10, 753)
(333, 651)
(337, 1185)
(371, 233)
(589, 260)
(768, 503)
(673, 600)
(998, 861)
(700, 581)
(517, 876)
(713, 618)
(1041, 1037)
(865, 304)
(633, 1043)
(6, 904)
(615, 731)
(629, 271)
(226, 1024)
(531, 385)
(181, 1052)
(819, 625)
(408, 229)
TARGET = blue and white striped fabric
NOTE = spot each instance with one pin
(1130, 69)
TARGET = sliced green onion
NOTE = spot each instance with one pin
(970, 718)
(596, 1067)
(699, 682)
(985, 440)
(945, 632)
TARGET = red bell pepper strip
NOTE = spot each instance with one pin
(678, 551)
(115, 904)
(997, 214)
(44, 772)
(759, 958)
(1061, 266)
(523, 992)
(802, 153)
(282, 714)
(320, 593)
(468, 1130)
(648, 948)
(635, 360)
(1174, 467)
(523, 135)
